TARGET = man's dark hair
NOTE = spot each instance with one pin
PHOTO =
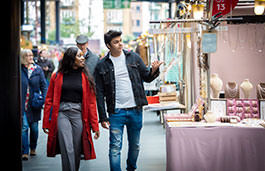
(110, 35)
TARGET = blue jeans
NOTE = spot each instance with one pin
(133, 119)
(34, 132)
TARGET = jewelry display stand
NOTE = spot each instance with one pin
(231, 90)
(246, 87)
(261, 91)
(216, 85)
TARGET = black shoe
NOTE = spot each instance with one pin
(82, 157)
(33, 153)
(25, 157)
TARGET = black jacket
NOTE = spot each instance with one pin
(91, 61)
(46, 63)
(105, 82)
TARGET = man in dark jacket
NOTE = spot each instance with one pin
(119, 77)
(46, 64)
(91, 58)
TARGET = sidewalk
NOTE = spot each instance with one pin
(152, 154)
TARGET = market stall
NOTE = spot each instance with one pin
(224, 129)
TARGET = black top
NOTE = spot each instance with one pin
(72, 87)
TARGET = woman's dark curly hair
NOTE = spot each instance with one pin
(67, 63)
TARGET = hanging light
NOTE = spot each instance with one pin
(259, 7)
(197, 11)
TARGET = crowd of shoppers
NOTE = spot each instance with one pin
(81, 86)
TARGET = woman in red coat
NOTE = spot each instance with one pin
(70, 111)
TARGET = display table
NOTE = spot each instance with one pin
(163, 107)
(215, 148)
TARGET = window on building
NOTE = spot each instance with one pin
(67, 2)
(114, 16)
(138, 23)
(67, 16)
(138, 8)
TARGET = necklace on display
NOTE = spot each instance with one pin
(232, 92)
(172, 43)
(261, 91)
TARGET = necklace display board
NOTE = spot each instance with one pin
(261, 91)
(244, 108)
(218, 106)
(231, 90)
(246, 87)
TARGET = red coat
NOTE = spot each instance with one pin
(89, 116)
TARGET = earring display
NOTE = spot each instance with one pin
(244, 108)
(218, 107)
(261, 91)
(231, 90)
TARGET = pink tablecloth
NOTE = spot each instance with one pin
(215, 149)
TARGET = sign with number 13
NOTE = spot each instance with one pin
(224, 6)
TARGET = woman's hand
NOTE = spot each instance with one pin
(97, 134)
(46, 130)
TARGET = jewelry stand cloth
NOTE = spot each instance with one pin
(231, 90)
(261, 91)
(246, 87)
(244, 108)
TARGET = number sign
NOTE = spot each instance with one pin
(224, 6)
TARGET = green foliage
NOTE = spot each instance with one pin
(127, 38)
(69, 27)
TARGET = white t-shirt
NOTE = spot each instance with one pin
(124, 93)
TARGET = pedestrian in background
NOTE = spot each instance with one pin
(32, 81)
(91, 58)
(119, 77)
(70, 111)
(46, 64)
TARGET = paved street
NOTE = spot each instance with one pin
(152, 154)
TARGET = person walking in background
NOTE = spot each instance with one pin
(119, 77)
(91, 58)
(32, 82)
(46, 64)
(70, 111)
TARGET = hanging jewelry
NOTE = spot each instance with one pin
(229, 37)
(242, 37)
(258, 40)
(251, 38)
